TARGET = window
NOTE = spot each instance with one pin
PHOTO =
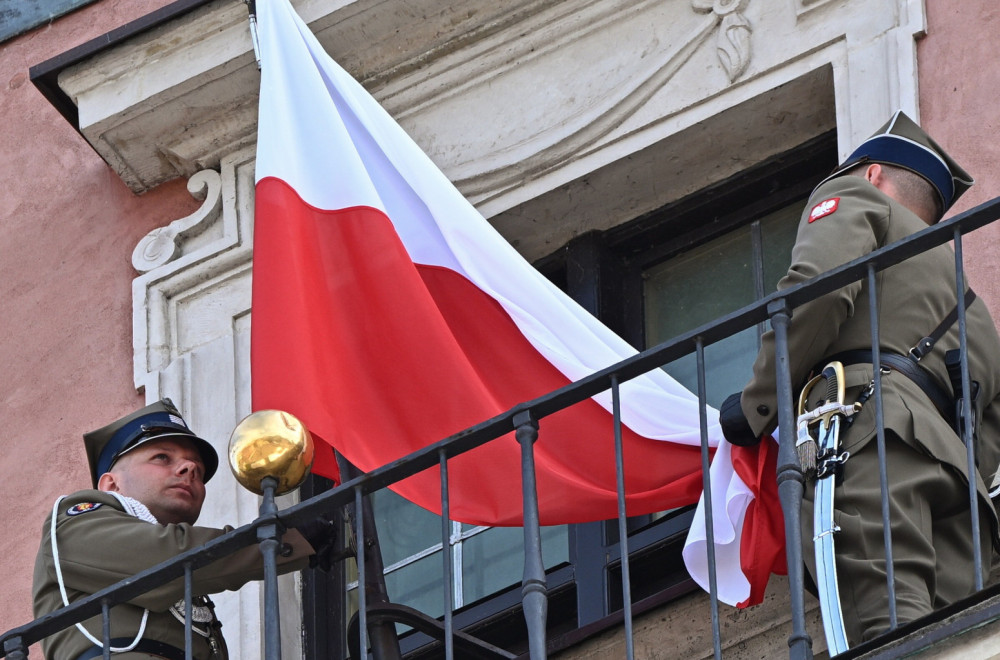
(650, 279)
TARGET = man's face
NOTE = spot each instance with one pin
(166, 475)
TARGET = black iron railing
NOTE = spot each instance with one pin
(523, 419)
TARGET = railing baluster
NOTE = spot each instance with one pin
(616, 410)
(14, 649)
(269, 537)
(883, 469)
(706, 480)
(359, 533)
(533, 596)
(188, 612)
(967, 418)
(790, 482)
(449, 578)
(106, 629)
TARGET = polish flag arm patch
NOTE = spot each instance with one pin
(824, 208)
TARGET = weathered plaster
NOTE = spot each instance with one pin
(958, 86)
(67, 226)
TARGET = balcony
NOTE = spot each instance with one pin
(963, 629)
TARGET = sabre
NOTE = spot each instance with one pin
(824, 421)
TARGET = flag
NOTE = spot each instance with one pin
(388, 314)
(748, 525)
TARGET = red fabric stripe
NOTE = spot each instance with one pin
(762, 545)
(380, 357)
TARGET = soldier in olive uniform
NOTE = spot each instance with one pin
(896, 183)
(149, 472)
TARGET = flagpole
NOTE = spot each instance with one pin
(252, 8)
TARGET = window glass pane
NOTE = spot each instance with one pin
(778, 231)
(710, 281)
(699, 286)
(494, 559)
(404, 529)
(695, 288)
(419, 585)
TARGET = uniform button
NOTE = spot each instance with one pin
(763, 410)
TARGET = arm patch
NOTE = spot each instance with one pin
(824, 208)
(83, 507)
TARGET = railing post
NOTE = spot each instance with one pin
(269, 537)
(706, 480)
(14, 649)
(449, 577)
(533, 589)
(616, 407)
(790, 481)
(188, 612)
(883, 468)
(966, 416)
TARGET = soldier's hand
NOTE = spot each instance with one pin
(734, 423)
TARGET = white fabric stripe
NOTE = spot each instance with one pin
(730, 499)
(363, 158)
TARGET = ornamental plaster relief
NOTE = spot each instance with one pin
(506, 97)
(598, 63)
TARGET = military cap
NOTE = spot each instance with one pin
(158, 421)
(901, 142)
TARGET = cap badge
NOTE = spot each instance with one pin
(824, 208)
(83, 507)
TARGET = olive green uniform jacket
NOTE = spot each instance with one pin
(913, 298)
(101, 546)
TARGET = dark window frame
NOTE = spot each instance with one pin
(603, 271)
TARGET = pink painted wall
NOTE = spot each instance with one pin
(67, 229)
(959, 80)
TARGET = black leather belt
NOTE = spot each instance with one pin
(150, 646)
(906, 366)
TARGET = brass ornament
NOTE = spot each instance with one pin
(270, 443)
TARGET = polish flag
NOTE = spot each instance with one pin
(388, 314)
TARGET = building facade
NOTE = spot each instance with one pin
(649, 157)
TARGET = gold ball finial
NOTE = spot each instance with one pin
(270, 443)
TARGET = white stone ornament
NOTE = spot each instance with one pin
(162, 245)
(733, 40)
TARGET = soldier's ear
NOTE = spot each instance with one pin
(108, 483)
(874, 174)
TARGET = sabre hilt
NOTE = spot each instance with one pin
(821, 418)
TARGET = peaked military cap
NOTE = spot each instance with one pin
(903, 143)
(158, 421)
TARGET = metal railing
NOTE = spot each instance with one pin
(523, 420)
